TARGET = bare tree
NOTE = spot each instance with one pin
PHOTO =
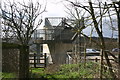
(77, 21)
(97, 18)
(117, 9)
(22, 19)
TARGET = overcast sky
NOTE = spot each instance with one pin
(56, 8)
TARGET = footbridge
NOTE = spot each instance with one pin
(58, 35)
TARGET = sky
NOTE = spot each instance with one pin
(56, 8)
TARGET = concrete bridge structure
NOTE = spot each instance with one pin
(58, 36)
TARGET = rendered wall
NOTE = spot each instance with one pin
(58, 51)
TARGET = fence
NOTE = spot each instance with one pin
(38, 61)
(12, 60)
(97, 60)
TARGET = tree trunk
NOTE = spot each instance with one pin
(118, 16)
(24, 62)
(102, 43)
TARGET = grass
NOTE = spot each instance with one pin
(8, 75)
(77, 70)
(37, 72)
(67, 71)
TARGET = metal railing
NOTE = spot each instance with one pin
(53, 34)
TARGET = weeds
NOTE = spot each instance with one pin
(65, 71)
(68, 71)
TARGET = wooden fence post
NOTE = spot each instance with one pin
(45, 58)
(34, 60)
(96, 59)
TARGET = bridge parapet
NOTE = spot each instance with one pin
(53, 34)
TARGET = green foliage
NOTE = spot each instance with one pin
(37, 70)
(70, 71)
(1, 75)
(77, 70)
(8, 75)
